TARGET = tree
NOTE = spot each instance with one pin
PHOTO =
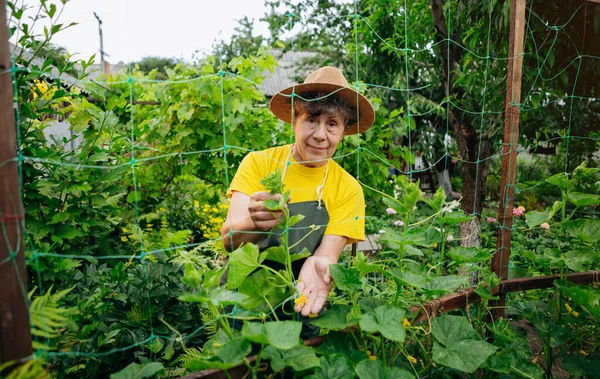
(438, 50)
(147, 64)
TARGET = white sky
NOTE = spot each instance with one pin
(137, 28)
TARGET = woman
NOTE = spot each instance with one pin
(325, 110)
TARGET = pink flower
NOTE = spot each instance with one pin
(545, 225)
(399, 223)
(127, 155)
(491, 219)
(391, 211)
(519, 211)
(450, 238)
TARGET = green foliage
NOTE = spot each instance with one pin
(138, 371)
(122, 218)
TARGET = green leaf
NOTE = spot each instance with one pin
(222, 297)
(342, 343)
(536, 218)
(234, 351)
(272, 205)
(99, 157)
(580, 366)
(275, 254)
(559, 335)
(242, 262)
(197, 364)
(283, 334)
(301, 255)
(346, 279)
(586, 230)
(386, 320)
(299, 359)
(465, 355)
(295, 219)
(138, 371)
(499, 363)
(335, 366)
(485, 293)
(255, 332)
(368, 304)
(527, 369)
(369, 369)
(462, 255)
(438, 199)
(447, 283)
(579, 258)
(584, 296)
(157, 345)
(132, 197)
(455, 217)
(407, 277)
(583, 199)
(335, 318)
(262, 286)
(68, 232)
(560, 180)
(449, 329)
(59, 217)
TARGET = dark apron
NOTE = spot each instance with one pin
(313, 216)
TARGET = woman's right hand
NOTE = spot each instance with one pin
(263, 218)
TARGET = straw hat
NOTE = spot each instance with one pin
(329, 80)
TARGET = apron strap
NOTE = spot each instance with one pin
(319, 188)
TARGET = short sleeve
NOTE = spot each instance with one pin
(247, 178)
(347, 218)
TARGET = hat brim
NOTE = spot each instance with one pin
(281, 103)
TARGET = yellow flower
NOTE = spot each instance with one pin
(434, 245)
(582, 352)
(405, 322)
(301, 300)
(125, 230)
(123, 238)
(196, 203)
(521, 208)
(372, 357)
(412, 359)
(568, 308)
(575, 313)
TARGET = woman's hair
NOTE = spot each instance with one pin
(326, 104)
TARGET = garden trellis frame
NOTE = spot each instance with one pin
(15, 331)
(15, 336)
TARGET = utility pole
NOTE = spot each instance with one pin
(102, 62)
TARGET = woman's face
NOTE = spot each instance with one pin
(317, 138)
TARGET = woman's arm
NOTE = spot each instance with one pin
(248, 218)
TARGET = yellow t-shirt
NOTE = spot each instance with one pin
(342, 194)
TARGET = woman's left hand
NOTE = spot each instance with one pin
(314, 283)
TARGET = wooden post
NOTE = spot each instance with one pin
(510, 150)
(15, 332)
